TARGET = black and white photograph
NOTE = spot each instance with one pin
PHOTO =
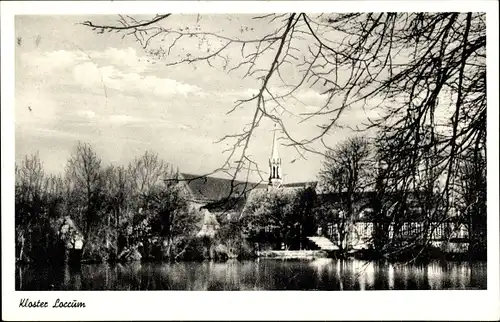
(280, 150)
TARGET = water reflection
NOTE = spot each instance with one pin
(263, 274)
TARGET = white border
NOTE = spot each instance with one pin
(154, 305)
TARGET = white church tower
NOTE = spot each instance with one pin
(275, 174)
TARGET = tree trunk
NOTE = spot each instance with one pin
(21, 250)
(300, 237)
(169, 247)
(116, 231)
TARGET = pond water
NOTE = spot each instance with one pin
(261, 274)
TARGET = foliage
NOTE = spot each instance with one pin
(113, 208)
(37, 203)
(168, 216)
(280, 216)
(231, 243)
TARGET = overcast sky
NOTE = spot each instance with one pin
(74, 84)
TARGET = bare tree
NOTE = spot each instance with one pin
(30, 174)
(398, 65)
(84, 174)
(101, 202)
(170, 217)
(471, 199)
(118, 200)
(160, 207)
(38, 201)
(30, 206)
(147, 172)
(346, 173)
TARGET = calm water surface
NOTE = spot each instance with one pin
(263, 274)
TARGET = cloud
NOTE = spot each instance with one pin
(146, 105)
(60, 59)
(45, 62)
(121, 57)
(90, 75)
(310, 95)
(123, 70)
(144, 122)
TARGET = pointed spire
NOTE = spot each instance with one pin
(275, 172)
(275, 154)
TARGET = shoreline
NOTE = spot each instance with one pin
(292, 254)
(287, 255)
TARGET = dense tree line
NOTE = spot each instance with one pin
(369, 177)
(145, 209)
(376, 175)
(115, 208)
(280, 218)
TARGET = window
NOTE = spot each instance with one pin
(413, 228)
(360, 227)
(438, 231)
(369, 229)
(404, 229)
(464, 233)
(330, 230)
(418, 228)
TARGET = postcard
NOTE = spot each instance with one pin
(319, 160)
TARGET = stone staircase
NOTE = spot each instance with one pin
(323, 243)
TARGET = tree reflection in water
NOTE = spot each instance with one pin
(261, 274)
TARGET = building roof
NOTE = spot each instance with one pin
(214, 190)
(227, 195)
